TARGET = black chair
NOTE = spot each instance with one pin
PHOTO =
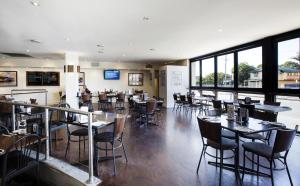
(115, 138)
(57, 121)
(3, 130)
(226, 104)
(81, 133)
(212, 133)
(283, 141)
(272, 103)
(177, 102)
(120, 102)
(103, 103)
(147, 113)
(87, 101)
(217, 104)
(20, 158)
(192, 106)
(184, 102)
(225, 133)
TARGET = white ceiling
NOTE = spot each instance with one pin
(177, 29)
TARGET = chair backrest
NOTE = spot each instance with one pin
(215, 112)
(284, 139)
(265, 116)
(151, 106)
(119, 126)
(226, 104)
(182, 98)
(3, 130)
(217, 104)
(175, 97)
(102, 97)
(190, 99)
(121, 96)
(209, 130)
(22, 151)
(86, 97)
(247, 100)
(272, 103)
(250, 108)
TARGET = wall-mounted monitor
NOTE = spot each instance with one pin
(111, 74)
(42, 78)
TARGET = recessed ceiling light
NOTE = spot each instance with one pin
(152, 49)
(27, 50)
(100, 45)
(220, 30)
(123, 55)
(35, 3)
(67, 39)
(146, 18)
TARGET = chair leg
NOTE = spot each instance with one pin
(271, 169)
(38, 175)
(288, 171)
(257, 170)
(106, 149)
(124, 152)
(84, 144)
(216, 157)
(114, 159)
(203, 150)
(221, 166)
(68, 145)
(79, 149)
(244, 164)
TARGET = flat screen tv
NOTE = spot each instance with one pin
(111, 74)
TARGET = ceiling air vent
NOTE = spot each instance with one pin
(15, 54)
(149, 66)
(94, 64)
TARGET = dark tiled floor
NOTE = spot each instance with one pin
(168, 155)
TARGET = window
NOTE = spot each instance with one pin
(288, 118)
(225, 70)
(289, 64)
(249, 64)
(195, 74)
(225, 96)
(208, 70)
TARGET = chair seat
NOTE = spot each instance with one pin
(260, 149)
(228, 134)
(104, 137)
(227, 144)
(80, 132)
(254, 136)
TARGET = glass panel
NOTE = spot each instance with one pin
(195, 68)
(225, 96)
(289, 64)
(259, 97)
(288, 117)
(208, 70)
(250, 68)
(225, 70)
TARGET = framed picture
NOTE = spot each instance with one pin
(135, 79)
(8, 78)
(81, 79)
(35, 78)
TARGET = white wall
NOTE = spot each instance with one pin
(93, 76)
(177, 81)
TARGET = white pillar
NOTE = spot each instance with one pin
(71, 79)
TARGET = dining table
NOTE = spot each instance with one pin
(251, 126)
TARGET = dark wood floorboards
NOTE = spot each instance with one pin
(168, 155)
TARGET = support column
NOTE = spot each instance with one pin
(72, 69)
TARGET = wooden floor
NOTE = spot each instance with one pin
(168, 155)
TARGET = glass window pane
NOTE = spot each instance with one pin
(195, 68)
(225, 96)
(250, 68)
(288, 117)
(225, 70)
(289, 64)
(208, 69)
